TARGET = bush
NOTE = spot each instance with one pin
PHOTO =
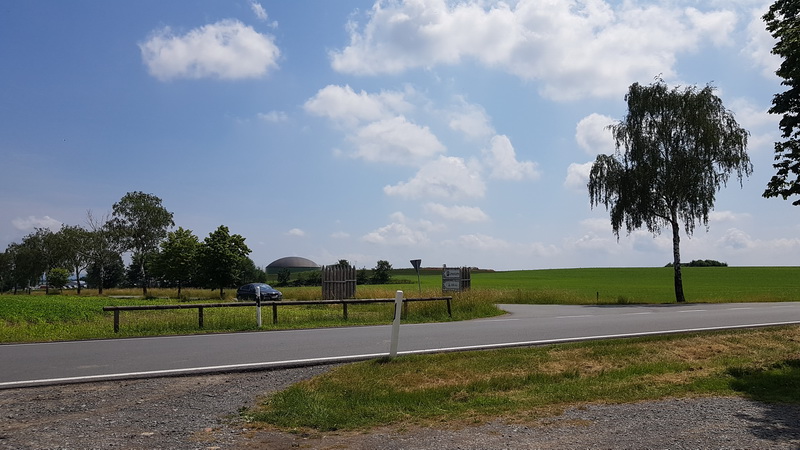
(702, 263)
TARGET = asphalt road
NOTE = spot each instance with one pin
(525, 325)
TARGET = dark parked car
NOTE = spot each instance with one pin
(248, 292)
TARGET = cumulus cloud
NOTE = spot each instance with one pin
(31, 222)
(297, 232)
(759, 45)
(226, 50)
(457, 213)
(397, 141)
(446, 178)
(258, 10)
(472, 121)
(576, 49)
(343, 105)
(501, 159)
(593, 135)
(376, 125)
(402, 231)
(578, 176)
(736, 239)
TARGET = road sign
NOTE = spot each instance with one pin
(451, 274)
(451, 285)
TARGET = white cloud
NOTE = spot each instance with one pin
(760, 43)
(727, 216)
(273, 116)
(402, 231)
(445, 178)
(578, 176)
(593, 136)
(297, 232)
(340, 235)
(376, 125)
(472, 121)
(227, 49)
(258, 10)
(343, 105)
(457, 213)
(31, 222)
(736, 239)
(577, 49)
(397, 141)
(502, 160)
(482, 242)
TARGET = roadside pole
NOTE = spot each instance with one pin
(398, 305)
(258, 306)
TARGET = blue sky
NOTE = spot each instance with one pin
(460, 133)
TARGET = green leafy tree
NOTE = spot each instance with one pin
(177, 260)
(381, 274)
(57, 277)
(674, 150)
(25, 265)
(107, 273)
(783, 21)
(5, 271)
(221, 255)
(141, 223)
(75, 243)
(102, 252)
(250, 273)
(284, 276)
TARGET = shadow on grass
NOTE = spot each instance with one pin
(778, 388)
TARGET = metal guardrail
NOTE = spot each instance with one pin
(274, 304)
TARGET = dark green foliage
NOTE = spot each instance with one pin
(140, 223)
(284, 275)
(177, 262)
(674, 150)
(362, 276)
(702, 263)
(381, 274)
(221, 256)
(57, 277)
(783, 21)
(248, 272)
(112, 272)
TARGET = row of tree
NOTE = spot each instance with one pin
(138, 224)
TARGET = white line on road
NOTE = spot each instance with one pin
(352, 358)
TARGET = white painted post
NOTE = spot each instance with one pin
(398, 305)
(258, 306)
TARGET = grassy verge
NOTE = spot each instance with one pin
(40, 318)
(525, 384)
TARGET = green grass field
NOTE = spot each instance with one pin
(38, 317)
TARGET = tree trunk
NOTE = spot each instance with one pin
(78, 278)
(676, 255)
(102, 279)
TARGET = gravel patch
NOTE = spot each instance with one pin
(201, 412)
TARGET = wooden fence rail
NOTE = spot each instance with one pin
(202, 306)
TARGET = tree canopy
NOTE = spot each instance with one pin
(674, 150)
(783, 21)
(221, 256)
(141, 223)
